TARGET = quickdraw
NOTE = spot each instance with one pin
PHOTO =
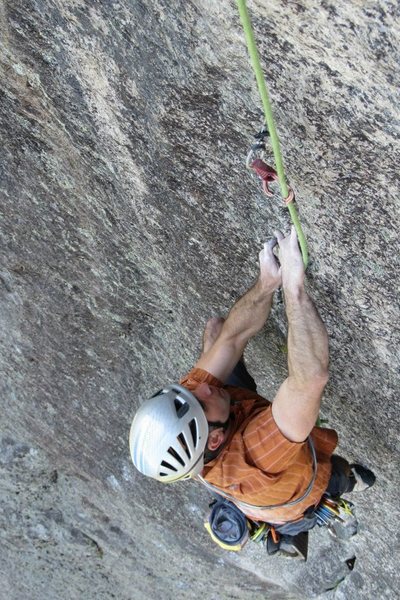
(337, 514)
(255, 161)
(287, 194)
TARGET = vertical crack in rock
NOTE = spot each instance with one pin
(127, 218)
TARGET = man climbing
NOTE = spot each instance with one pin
(269, 459)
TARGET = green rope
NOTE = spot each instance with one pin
(262, 88)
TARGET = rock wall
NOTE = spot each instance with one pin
(127, 218)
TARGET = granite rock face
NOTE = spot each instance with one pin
(127, 218)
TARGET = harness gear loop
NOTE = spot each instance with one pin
(258, 534)
(274, 534)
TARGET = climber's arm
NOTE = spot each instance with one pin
(245, 319)
(296, 405)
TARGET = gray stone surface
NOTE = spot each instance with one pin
(127, 218)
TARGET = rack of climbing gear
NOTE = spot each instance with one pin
(229, 527)
(337, 514)
(265, 172)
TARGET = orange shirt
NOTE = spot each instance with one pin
(258, 465)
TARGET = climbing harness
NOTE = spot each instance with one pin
(265, 171)
(231, 529)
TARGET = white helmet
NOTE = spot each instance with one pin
(169, 435)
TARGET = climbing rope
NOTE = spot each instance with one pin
(287, 194)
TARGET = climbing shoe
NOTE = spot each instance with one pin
(294, 546)
(271, 543)
(364, 478)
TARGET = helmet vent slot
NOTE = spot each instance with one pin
(168, 466)
(194, 432)
(174, 453)
(181, 407)
(184, 444)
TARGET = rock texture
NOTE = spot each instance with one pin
(127, 218)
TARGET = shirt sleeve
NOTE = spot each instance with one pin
(267, 447)
(192, 379)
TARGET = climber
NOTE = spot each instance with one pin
(268, 458)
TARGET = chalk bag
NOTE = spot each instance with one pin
(227, 525)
